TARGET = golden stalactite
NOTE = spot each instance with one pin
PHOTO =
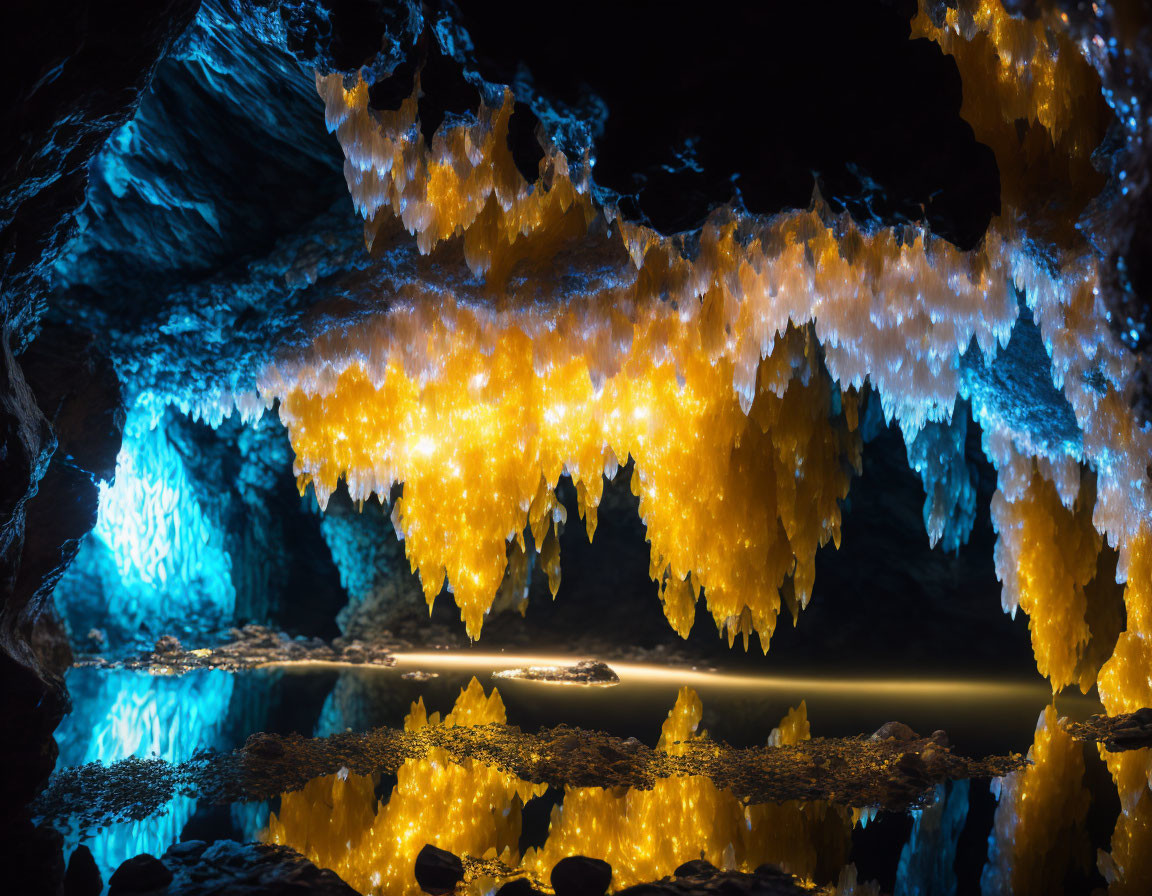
(1032, 96)
(1048, 557)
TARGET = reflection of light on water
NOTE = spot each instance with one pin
(121, 714)
(928, 860)
(645, 834)
(639, 673)
(474, 809)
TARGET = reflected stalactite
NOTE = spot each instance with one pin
(1127, 866)
(1039, 836)
(464, 807)
(644, 834)
(474, 810)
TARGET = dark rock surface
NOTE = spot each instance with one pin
(580, 876)
(702, 879)
(1127, 731)
(245, 648)
(852, 772)
(73, 80)
(281, 569)
(140, 874)
(437, 870)
(82, 877)
(227, 868)
(586, 672)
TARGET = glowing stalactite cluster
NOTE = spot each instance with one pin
(1017, 70)
(1039, 834)
(464, 183)
(734, 502)
(155, 558)
(477, 401)
(1045, 557)
(937, 454)
(1019, 67)
(467, 808)
(693, 367)
(474, 810)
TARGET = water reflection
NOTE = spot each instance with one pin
(1039, 837)
(475, 810)
(121, 714)
(467, 808)
(1077, 820)
(1128, 866)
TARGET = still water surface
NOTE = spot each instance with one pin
(1070, 823)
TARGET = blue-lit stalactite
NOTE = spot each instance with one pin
(155, 563)
(928, 860)
(936, 454)
(121, 714)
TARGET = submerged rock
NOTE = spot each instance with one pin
(700, 878)
(591, 672)
(895, 731)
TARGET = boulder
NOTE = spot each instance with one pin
(581, 876)
(437, 870)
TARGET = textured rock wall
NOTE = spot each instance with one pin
(72, 77)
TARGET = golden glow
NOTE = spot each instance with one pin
(734, 502)
(726, 370)
(1025, 72)
(1039, 830)
(644, 834)
(474, 810)
(466, 808)
(1046, 556)
(1128, 866)
(465, 183)
(925, 689)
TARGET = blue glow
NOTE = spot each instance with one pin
(937, 455)
(928, 859)
(121, 714)
(155, 562)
